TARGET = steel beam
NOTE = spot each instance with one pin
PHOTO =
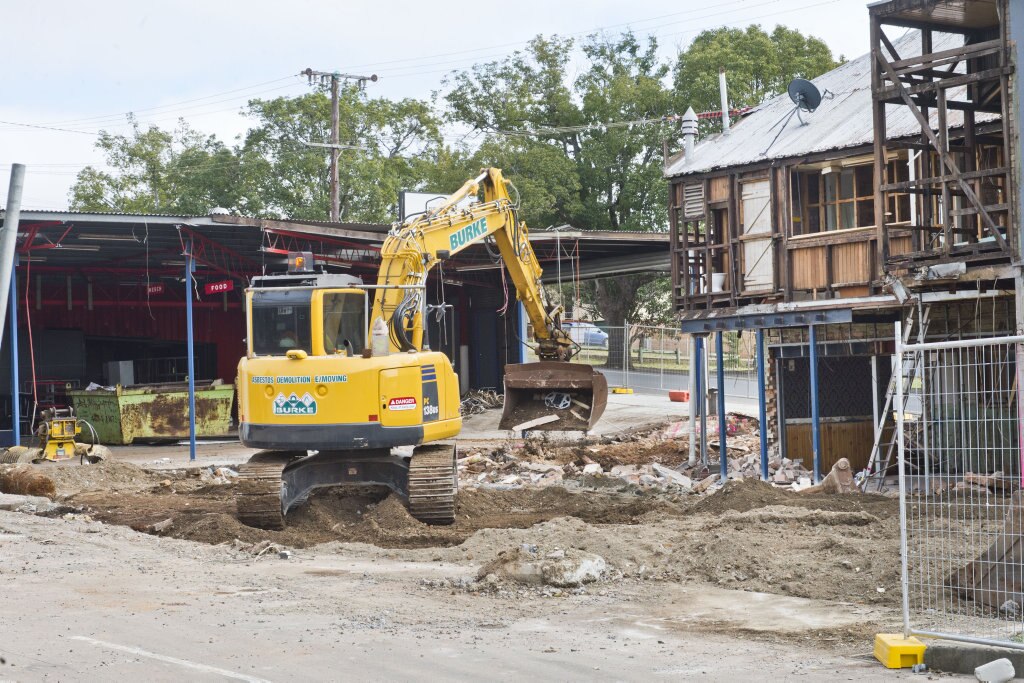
(815, 417)
(762, 413)
(764, 320)
(723, 454)
(190, 268)
(702, 398)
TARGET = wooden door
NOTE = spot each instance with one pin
(756, 217)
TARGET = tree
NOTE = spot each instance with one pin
(399, 141)
(548, 131)
(585, 144)
(758, 65)
(158, 171)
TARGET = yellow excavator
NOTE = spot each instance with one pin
(337, 373)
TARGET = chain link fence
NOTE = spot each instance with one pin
(962, 511)
(652, 359)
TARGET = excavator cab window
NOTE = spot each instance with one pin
(344, 322)
(281, 322)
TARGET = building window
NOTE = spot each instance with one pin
(833, 198)
(898, 203)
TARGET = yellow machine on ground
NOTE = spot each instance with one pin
(56, 433)
(340, 369)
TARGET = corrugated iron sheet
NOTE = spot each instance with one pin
(841, 121)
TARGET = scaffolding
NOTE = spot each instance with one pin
(960, 187)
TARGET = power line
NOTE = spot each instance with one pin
(745, 20)
(52, 128)
(524, 42)
(143, 121)
(170, 105)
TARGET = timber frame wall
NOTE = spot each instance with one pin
(964, 192)
(962, 204)
(707, 235)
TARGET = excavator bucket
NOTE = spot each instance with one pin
(994, 577)
(575, 395)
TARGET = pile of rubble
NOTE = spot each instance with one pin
(480, 401)
(783, 471)
(620, 460)
(501, 469)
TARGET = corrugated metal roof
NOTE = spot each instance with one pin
(841, 121)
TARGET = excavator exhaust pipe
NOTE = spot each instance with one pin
(574, 394)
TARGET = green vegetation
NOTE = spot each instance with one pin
(555, 116)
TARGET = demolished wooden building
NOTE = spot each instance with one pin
(895, 199)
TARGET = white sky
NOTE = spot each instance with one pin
(82, 65)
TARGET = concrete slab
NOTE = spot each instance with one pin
(963, 658)
(11, 501)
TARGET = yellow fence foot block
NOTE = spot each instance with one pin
(896, 652)
(621, 390)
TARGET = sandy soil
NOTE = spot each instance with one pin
(748, 535)
(744, 583)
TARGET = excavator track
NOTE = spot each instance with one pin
(433, 481)
(18, 455)
(258, 499)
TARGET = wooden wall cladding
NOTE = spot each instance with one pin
(900, 245)
(719, 189)
(851, 263)
(808, 267)
(848, 439)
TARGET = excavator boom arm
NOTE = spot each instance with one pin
(413, 248)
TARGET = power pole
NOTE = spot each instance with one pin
(335, 147)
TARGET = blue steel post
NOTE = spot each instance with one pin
(190, 268)
(815, 422)
(761, 411)
(723, 454)
(702, 401)
(12, 320)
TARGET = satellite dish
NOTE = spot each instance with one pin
(805, 95)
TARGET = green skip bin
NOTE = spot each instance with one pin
(151, 412)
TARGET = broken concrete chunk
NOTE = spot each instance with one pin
(560, 568)
(14, 502)
(161, 527)
(997, 671)
(677, 478)
(592, 468)
(573, 571)
(649, 480)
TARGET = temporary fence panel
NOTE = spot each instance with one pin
(651, 358)
(659, 358)
(961, 505)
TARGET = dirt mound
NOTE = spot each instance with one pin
(748, 536)
(367, 515)
(26, 480)
(108, 475)
(743, 495)
(669, 453)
